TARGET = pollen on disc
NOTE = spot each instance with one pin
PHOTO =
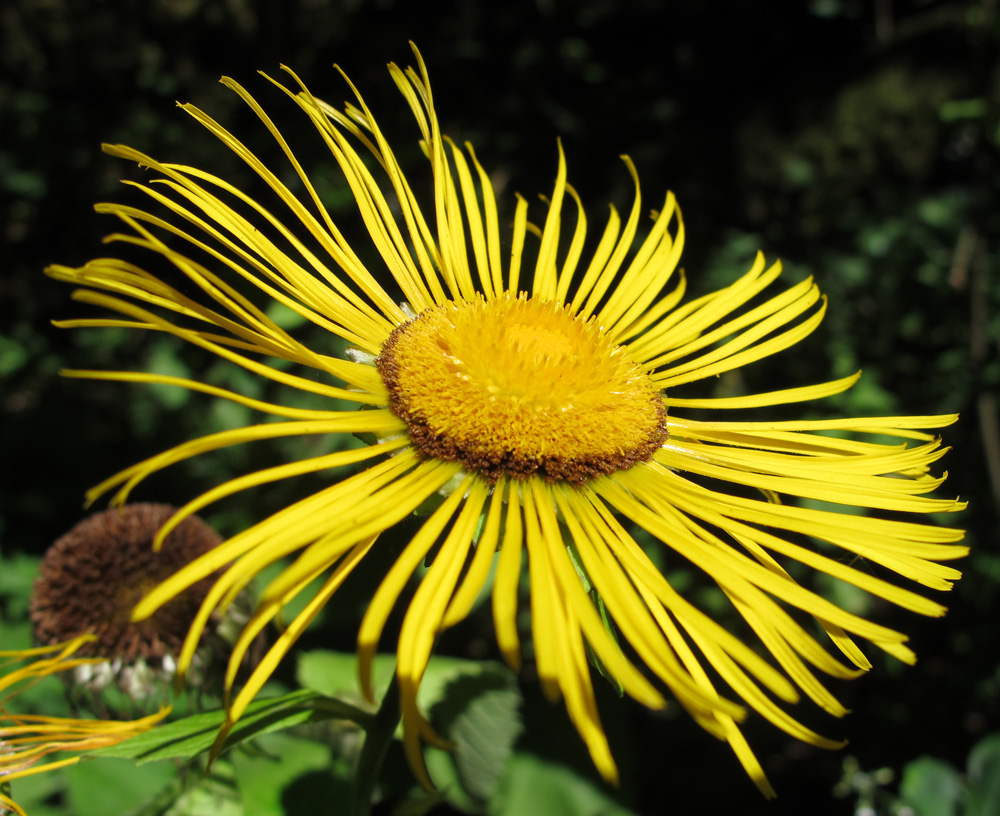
(519, 386)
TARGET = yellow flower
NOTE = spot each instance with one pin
(27, 739)
(541, 402)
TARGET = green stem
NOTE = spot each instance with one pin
(377, 741)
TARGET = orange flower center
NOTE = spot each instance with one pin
(519, 386)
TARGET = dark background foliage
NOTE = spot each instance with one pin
(858, 141)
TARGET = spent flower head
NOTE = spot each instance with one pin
(92, 577)
(533, 385)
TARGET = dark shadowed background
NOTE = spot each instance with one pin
(857, 141)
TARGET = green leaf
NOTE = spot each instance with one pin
(441, 671)
(417, 803)
(955, 110)
(225, 416)
(474, 704)
(609, 624)
(286, 318)
(592, 657)
(532, 786)
(39, 794)
(164, 360)
(184, 739)
(984, 778)
(335, 674)
(932, 787)
(214, 794)
(288, 775)
(479, 710)
(449, 788)
(13, 356)
(17, 577)
(378, 738)
(113, 786)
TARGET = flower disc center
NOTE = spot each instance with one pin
(518, 386)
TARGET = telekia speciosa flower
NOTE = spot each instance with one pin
(519, 379)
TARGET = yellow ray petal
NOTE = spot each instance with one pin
(606, 275)
(647, 274)
(392, 585)
(549, 545)
(423, 619)
(507, 582)
(265, 668)
(475, 578)
(544, 285)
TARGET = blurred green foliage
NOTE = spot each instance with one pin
(929, 786)
(858, 141)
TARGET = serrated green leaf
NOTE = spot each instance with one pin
(478, 710)
(932, 787)
(186, 738)
(444, 774)
(474, 704)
